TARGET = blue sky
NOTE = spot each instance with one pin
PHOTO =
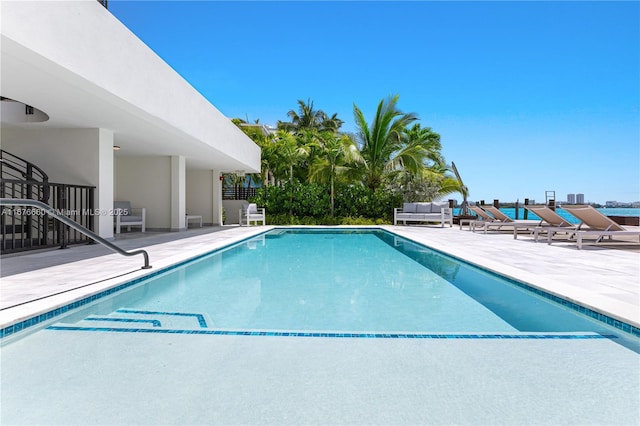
(528, 97)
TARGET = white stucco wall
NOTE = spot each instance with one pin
(232, 210)
(66, 155)
(146, 182)
(200, 194)
(70, 156)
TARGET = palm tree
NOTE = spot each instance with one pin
(456, 185)
(269, 158)
(385, 145)
(428, 141)
(289, 155)
(337, 155)
(308, 118)
(331, 124)
(305, 118)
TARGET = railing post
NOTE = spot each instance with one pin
(517, 207)
(91, 209)
(44, 225)
(526, 212)
(28, 223)
(62, 228)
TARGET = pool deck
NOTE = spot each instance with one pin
(602, 278)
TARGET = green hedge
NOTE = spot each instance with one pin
(311, 202)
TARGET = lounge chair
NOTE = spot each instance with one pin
(600, 226)
(501, 220)
(251, 213)
(481, 216)
(549, 218)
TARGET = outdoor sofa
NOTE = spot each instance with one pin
(424, 212)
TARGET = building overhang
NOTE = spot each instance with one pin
(76, 63)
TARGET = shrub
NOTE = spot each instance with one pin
(311, 202)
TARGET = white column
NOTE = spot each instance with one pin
(217, 198)
(178, 192)
(103, 222)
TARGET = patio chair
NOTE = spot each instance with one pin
(251, 213)
(124, 216)
(600, 226)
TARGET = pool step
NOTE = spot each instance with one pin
(275, 234)
(133, 318)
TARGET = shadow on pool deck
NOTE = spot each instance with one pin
(17, 263)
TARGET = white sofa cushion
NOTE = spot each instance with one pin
(409, 208)
(423, 207)
(436, 207)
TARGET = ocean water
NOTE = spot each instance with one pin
(511, 212)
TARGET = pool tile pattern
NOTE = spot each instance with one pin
(199, 317)
(333, 334)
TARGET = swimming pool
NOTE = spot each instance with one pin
(157, 353)
(337, 283)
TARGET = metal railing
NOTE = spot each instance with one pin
(15, 168)
(237, 193)
(29, 229)
(65, 220)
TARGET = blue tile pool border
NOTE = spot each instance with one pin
(30, 322)
(212, 332)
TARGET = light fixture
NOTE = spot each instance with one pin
(116, 147)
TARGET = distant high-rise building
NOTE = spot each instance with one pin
(571, 198)
(580, 198)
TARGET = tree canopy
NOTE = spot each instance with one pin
(391, 152)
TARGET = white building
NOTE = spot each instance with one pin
(571, 198)
(94, 85)
(579, 198)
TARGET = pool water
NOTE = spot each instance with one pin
(329, 280)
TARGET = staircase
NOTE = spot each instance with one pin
(26, 228)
